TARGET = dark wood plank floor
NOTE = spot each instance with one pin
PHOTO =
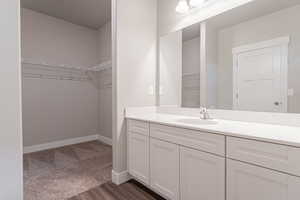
(109, 191)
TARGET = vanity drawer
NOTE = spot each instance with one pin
(274, 156)
(207, 142)
(138, 127)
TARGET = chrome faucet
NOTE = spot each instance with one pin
(204, 113)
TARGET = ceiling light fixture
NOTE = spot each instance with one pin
(197, 3)
(182, 6)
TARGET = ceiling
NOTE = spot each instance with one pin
(90, 13)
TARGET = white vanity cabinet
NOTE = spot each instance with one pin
(184, 164)
(249, 182)
(138, 157)
(138, 150)
(201, 161)
(262, 171)
(202, 175)
(164, 168)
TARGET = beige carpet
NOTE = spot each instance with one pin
(62, 173)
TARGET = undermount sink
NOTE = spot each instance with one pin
(197, 121)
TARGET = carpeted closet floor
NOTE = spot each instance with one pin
(77, 172)
(62, 173)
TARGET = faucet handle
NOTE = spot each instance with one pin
(203, 110)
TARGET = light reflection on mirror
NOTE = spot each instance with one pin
(252, 60)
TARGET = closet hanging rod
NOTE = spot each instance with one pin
(97, 68)
(191, 74)
(102, 66)
(55, 77)
(43, 64)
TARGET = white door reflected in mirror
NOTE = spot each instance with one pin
(259, 76)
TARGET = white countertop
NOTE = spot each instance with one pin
(286, 135)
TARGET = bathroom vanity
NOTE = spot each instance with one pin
(244, 65)
(187, 158)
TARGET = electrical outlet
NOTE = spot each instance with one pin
(290, 92)
(151, 90)
(161, 90)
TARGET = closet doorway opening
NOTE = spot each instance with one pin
(67, 97)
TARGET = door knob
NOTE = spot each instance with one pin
(276, 103)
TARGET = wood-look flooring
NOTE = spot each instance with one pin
(127, 191)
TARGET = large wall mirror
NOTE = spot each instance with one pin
(247, 58)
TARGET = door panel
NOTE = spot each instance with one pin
(247, 182)
(202, 175)
(164, 166)
(138, 156)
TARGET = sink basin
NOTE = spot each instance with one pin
(197, 121)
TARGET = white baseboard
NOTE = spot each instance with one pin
(61, 143)
(119, 178)
(105, 140)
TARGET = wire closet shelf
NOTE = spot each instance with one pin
(45, 70)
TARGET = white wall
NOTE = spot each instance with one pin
(58, 109)
(134, 65)
(104, 42)
(55, 110)
(170, 21)
(105, 81)
(52, 40)
(268, 27)
(170, 65)
(10, 104)
(105, 103)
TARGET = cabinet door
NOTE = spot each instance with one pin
(164, 166)
(248, 182)
(138, 156)
(202, 175)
